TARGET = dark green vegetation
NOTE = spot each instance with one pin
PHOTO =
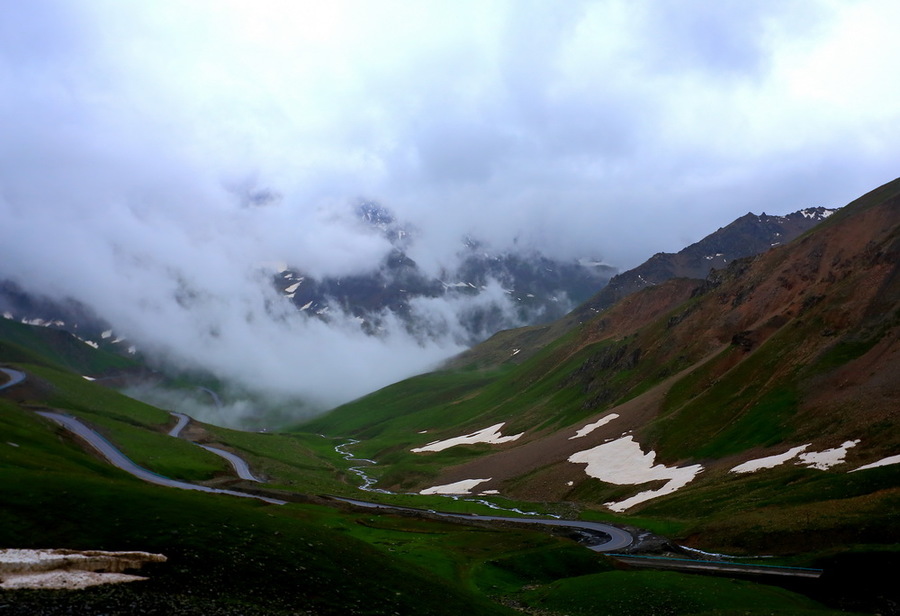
(797, 346)
(229, 556)
(57, 349)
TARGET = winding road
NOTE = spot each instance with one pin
(618, 538)
(180, 424)
(15, 377)
(240, 466)
(120, 460)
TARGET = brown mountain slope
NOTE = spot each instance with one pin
(798, 346)
(749, 235)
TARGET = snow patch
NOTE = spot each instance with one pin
(69, 569)
(489, 435)
(622, 462)
(823, 460)
(769, 461)
(460, 487)
(883, 462)
(293, 287)
(593, 426)
(820, 460)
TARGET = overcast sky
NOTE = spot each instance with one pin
(138, 138)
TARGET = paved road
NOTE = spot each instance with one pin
(180, 424)
(15, 377)
(618, 538)
(240, 466)
(716, 566)
(214, 395)
(119, 460)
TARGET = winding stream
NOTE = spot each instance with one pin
(369, 481)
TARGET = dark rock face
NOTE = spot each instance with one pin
(749, 235)
(535, 288)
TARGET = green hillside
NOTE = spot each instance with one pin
(796, 347)
(229, 556)
(60, 349)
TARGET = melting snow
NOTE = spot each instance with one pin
(306, 306)
(622, 462)
(823, 460)
(591, 427)
(460, 487)
(488, 435)
(106, 334)
(820, 460)
(293, 287)
(770, 461)
(69, 569)
(883, 462)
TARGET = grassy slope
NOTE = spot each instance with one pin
(59, 349)
(229, 556)
(732, 402)
(226, 555)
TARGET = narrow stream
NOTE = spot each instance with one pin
(360, 471)
(369, 482)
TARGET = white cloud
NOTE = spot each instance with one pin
(138, 135)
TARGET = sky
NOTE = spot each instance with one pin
(155, 154)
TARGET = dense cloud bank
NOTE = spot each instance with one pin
(157, 157)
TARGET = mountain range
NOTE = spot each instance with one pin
(698, 399)
(540, 289)
(729, 414)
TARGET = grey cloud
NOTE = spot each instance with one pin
(136, 135)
